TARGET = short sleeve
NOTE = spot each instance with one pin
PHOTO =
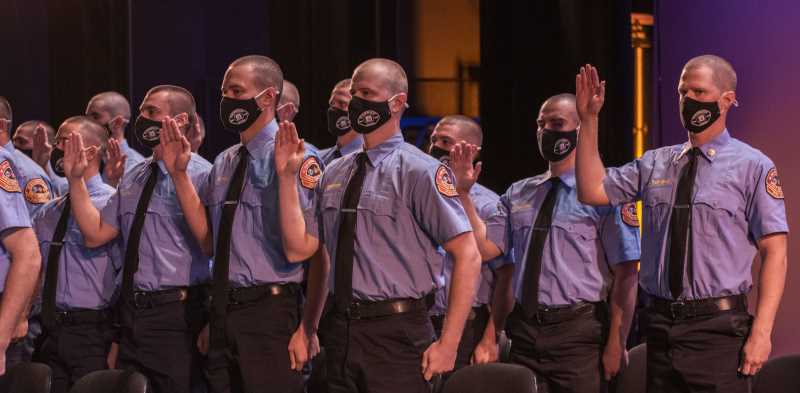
(498, 229)
(310, 176)
(620, 234)
(14, 213)
(110, 212)
(767, 212)
(622, 183)
(436, 207)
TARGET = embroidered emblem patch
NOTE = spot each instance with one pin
(629, 216)
(444, 183)
(8, 181)
(37, 192)
(310, 172)
(774, 188)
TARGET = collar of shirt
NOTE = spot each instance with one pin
(353, 146)
(378, 153)
(124, 145)
(710, 149)
(94, 183)
(567, 178)
(10, 146)
(257, 147)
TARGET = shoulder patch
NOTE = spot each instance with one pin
(444, 183)
(8, 181)
(310, 172)
(629, 216)
(37, 192)
(773, 183)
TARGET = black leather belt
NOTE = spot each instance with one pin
(685, 309)
(360, 309)
(150, 299)
(548, 315)
(245, 295)
(473, 313)
(82, 317)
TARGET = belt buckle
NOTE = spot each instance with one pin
(353, 310)
(140, 300)
(675, 309)
(62, 317)
(232, 298)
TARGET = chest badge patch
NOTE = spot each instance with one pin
(629, 216)
(8, 181)
(444, 183)
(773, 183)
(310, 172)
(37, 192)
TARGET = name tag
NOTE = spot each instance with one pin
(333, 186)
(520, 206)
(659, 182)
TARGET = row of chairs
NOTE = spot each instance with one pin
(778, 375)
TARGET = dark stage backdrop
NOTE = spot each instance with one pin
(758, 38)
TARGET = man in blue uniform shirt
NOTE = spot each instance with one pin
(79, 282)
(113, 111)
(347, 140)
(165, 270)
(386, 268)
(253, 276)
(574, 283)
(20, 261)
(710, 205)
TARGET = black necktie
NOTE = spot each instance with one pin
(51, 275)
(337, 153)
(345, 245)
(680, 224)
(533, 263)
(222, 255)
(135, 235)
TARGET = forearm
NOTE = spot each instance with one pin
(622, 303)
(770, 291)
(589, 169)
(23, 276)
(502, 296)
(86, 215)
(297, 244)
(462, 292)
(318, 270)
(194, 211)
(487, 249)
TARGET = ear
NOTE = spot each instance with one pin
(727, 99)
(182, 119)
(269, 99)
(92, 152)
(398, 103)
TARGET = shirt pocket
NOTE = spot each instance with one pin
(657, 206)
(378, 205)
(716, 215)
(581, 238)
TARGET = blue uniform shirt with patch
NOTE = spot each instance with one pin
(33, 180)
(737, 199)
(87, 277)
(404, 213)
(257, 255)
(485, 201)
(169, 255)
(14, 213)
(329, 154)
(583, 243)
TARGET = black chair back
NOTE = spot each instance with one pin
(492, 377)
(26, 378)
(633, 378)
(111, 381)
(780, 374)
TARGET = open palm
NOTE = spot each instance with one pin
(590, 92)
(289, 150)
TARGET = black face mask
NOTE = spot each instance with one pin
(238, 115)
(57, 162)
(440, 154)
(556, 145)
(697, 116)
(367, 116)
(148, 132)
(338, 122)
(27, 152)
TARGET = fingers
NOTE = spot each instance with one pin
(426, 365)
(5, 124)
(602, 89)
(292, 361)
(478, 167)
(185, 145)
(293, 137)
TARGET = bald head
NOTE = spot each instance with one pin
(386, 73)
(107, 105)
(343, 84)
(178, 100)
(466, 128)
(564, 103)
(5, 109)
(264, 72)
(290, 94)
(722, 72)
(93, 133)
(23, 136)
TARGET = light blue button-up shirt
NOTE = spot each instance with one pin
(33, 180)
(14, 212)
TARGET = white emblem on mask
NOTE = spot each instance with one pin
(151, 134)
(343, 123)
(238, 116)
(701, 117)
(59, 165)
(369, 118)
(562, 146)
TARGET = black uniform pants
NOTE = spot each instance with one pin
(700, 354)
(74, 350)
(161, 343)
(377, 355)
(566, 356)
(473, 333)
(257, 357)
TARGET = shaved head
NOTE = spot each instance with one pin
(343, 84)
(468, 129)
(722, 72)
(111, 102)
(178, 99)
(387, 73)
(565, 102)
(94, 134)
(265, 72)
(290, 94)
(29, 127)
(5, 109)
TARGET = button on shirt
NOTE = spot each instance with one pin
(485, 201)
(169, 255)
(87, 277)
(403, 216)
(329, 154)
(14, 213)
(582, 244)
(735, 202)
(257, 255)
(33, 180)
